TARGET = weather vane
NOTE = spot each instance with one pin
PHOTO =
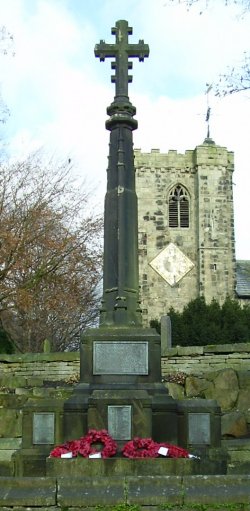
(209, 87)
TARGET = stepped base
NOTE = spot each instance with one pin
(215, 462)
(121, 388)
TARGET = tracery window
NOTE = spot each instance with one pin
(178, 214)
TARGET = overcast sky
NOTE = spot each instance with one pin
(57, 92)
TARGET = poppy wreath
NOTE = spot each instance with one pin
(93, 436)
(136, 448)
(174, 451)
(141, 448)
(71, 446)
(84, 447)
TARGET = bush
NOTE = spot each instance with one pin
(5, 344)
(200, 324)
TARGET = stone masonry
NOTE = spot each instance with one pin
(198, 231)
(218, 372)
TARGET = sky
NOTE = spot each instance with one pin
(57, 92)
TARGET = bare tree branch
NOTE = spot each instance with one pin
(50, 255)
(237, 79)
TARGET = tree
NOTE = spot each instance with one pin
(5, 344)
(234, 321)
(244, 4)
(200, 324)
(237, 78)
(50, 256)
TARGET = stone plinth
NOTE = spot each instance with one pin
(121, 388)
(118, 466)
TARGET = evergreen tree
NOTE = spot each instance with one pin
(200, 324)
(5, 344)
(234, 324)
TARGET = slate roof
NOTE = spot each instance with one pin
(243, 279)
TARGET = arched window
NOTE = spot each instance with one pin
(178, 215)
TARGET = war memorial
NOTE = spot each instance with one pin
(121, 389)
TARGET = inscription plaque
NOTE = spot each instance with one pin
(199, 428)
(119, 422)
(43, 428)
(120, 357)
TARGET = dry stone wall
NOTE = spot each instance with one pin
(202, 359)
(213, 372)
(34, 368)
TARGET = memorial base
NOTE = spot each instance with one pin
(215, 462)
(42, 427)
(31, 462)
(121, 388)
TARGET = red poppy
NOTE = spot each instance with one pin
(57, 451)
(93, 437)
(174, 451)
(141, 448)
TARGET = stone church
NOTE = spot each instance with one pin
(186, 229)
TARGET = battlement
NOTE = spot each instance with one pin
(156, 159)
(203, 154)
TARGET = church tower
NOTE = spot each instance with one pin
(186, 227)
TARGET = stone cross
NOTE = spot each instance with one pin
(120, 304)
(121, 51)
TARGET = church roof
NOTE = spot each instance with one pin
(243, 279)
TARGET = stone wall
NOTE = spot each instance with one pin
(202, 359)
(212, 372)
(28, 378)
(219, 372)
(34, 368)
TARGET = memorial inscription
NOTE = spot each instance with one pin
(120, 357)
(119, 422)
(43, 428)
(199, 428)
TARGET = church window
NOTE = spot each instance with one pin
(178, 207)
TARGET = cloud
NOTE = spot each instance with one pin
(58, 92)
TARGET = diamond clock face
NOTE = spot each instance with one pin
(171, 264)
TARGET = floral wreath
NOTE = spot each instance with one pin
(93, 436)
(173, 451)
(141, 448)
(69, 447)
(136, 448)
(83, 445)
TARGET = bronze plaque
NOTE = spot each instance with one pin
(43, 428)
(120, 357)
(119, 422)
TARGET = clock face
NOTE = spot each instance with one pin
(171, 264)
